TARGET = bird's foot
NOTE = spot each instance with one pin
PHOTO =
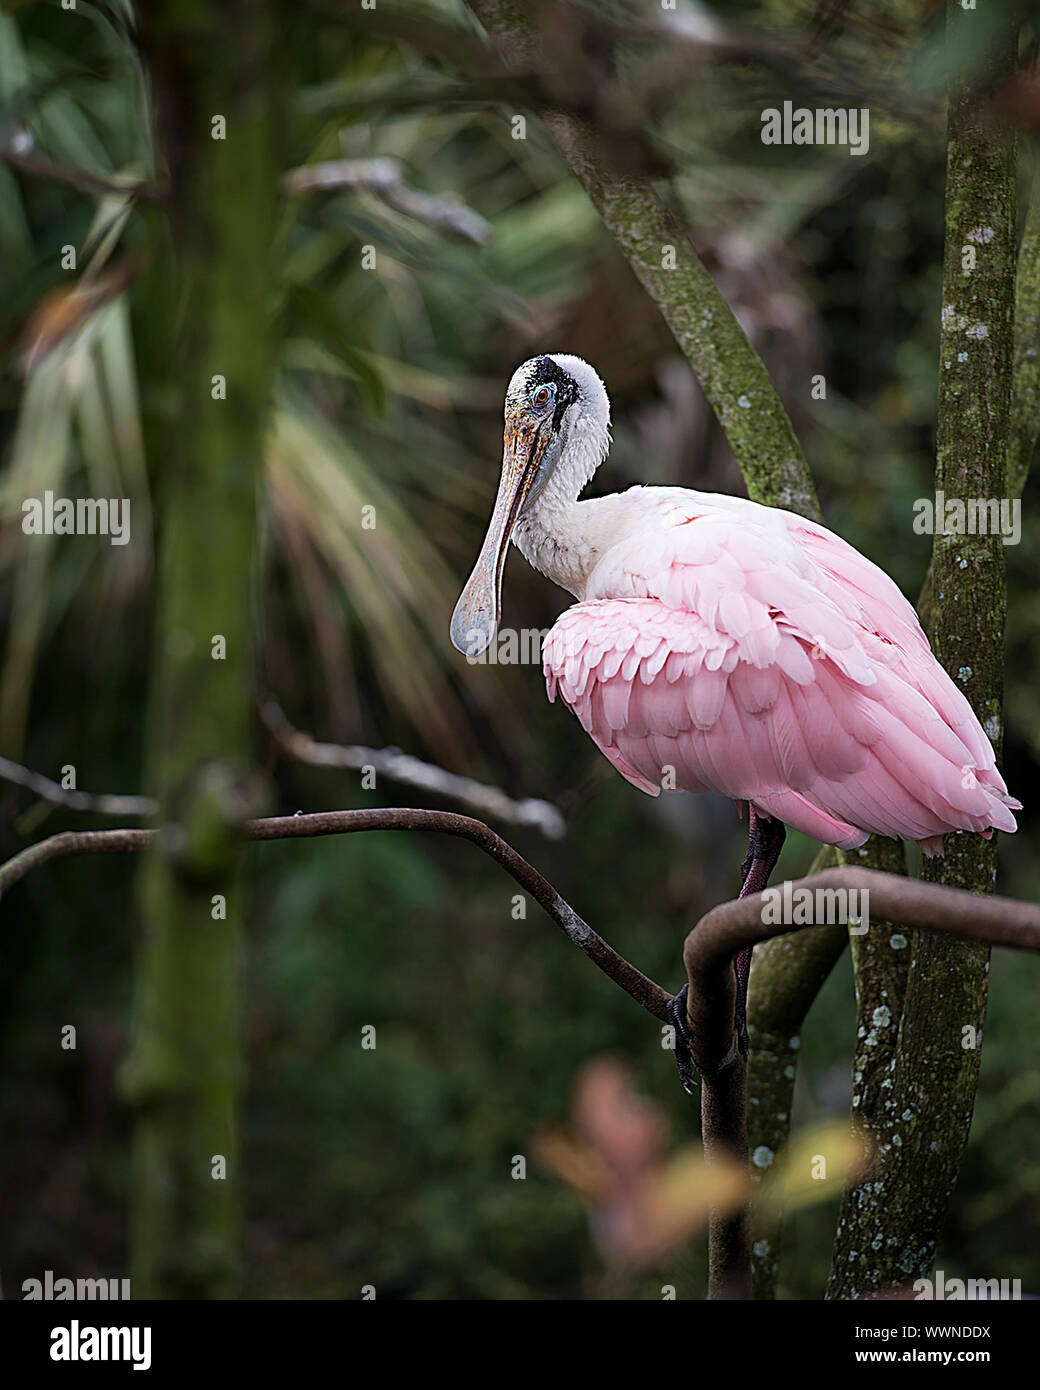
(676, 1007)
(741, 1044)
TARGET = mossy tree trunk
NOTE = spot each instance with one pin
(789, 972)
(1025, 404)
(889, 1225)
(207, 382)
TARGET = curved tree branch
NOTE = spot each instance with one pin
(644, 991)
(708, 954)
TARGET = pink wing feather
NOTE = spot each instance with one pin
(759, 656)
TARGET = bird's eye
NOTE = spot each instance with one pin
(541, 396)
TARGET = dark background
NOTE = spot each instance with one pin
(392, 1167)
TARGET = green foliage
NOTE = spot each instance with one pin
(391, 1166)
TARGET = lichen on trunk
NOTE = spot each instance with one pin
(1025, 403)
(891, 1223)
(787, 975)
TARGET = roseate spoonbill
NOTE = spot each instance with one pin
(721, 646)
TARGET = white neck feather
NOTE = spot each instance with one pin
(557, 534)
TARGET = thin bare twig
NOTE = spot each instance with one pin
(644, 991)
(412, 772)
(386, 762)
(101, 803)
(37, 165)
(385, 178)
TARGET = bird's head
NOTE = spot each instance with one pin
(557, 419)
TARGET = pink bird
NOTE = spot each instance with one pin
(721, 646)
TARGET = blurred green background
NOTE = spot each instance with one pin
(392, 1167)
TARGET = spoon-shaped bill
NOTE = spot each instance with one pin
(479, 607)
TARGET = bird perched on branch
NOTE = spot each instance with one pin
(721, 646)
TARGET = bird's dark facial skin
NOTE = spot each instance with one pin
(562, 388)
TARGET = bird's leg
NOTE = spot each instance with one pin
(766, 837)
(765, 840)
